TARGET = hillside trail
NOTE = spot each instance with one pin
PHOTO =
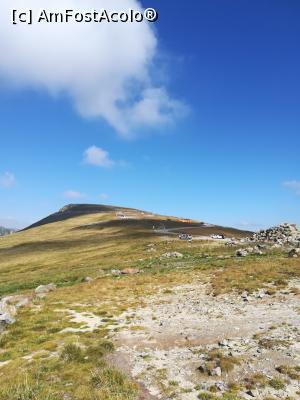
(162, 345)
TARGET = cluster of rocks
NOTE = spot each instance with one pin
(284, 235)
(259, 294)
(281, 234)
(249, 250)
(278, 235)
(9, 305)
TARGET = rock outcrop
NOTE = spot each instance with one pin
(282, 234)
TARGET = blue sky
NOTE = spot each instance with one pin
(223, 145)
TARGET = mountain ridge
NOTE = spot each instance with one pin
(6, 231)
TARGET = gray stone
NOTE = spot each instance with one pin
(241, 253)
(6, 319)
(216, 372)
(253, 393)
(42, 290)
(294, 253)
(116, 272)
(173, 254)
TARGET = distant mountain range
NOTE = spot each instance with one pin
(6, 231)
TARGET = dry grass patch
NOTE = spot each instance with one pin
(291, 372)
(251, 275)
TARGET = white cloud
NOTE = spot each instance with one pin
(73, 194)
(104, 68)
(96, 156)
(293, 185)
(7, 180)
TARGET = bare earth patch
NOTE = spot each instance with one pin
(169, 346)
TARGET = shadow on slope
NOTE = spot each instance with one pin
(76, 210)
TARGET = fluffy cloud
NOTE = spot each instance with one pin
(73, 194)
(293, 185)
(105, 69)
(96, 156)
(7, 180)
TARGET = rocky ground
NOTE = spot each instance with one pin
(186, 343)
(188, 332)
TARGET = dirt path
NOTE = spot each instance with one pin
(163, 345)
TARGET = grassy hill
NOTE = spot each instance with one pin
(81, 240)
(50, 355)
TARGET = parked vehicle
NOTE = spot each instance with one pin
(213, 236)
(185, 236)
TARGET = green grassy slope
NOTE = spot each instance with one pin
(39, 360)
(67, 251)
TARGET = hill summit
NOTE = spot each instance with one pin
(77, 210)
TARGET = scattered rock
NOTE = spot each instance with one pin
(231, 243)
(294, 253)
(224, 343)
(249, 249)
(276, 246)
(241, 253)
(215, 372)
(253, 393)
(221, 386)
(6, 319)
(260, 294)
(223, 335)
(42, 290)
(245, 296)
(173, 254)
(130, 271)
(16, 301)
(151, 250)
(8, 309)
(116, 272)
(88, 279)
